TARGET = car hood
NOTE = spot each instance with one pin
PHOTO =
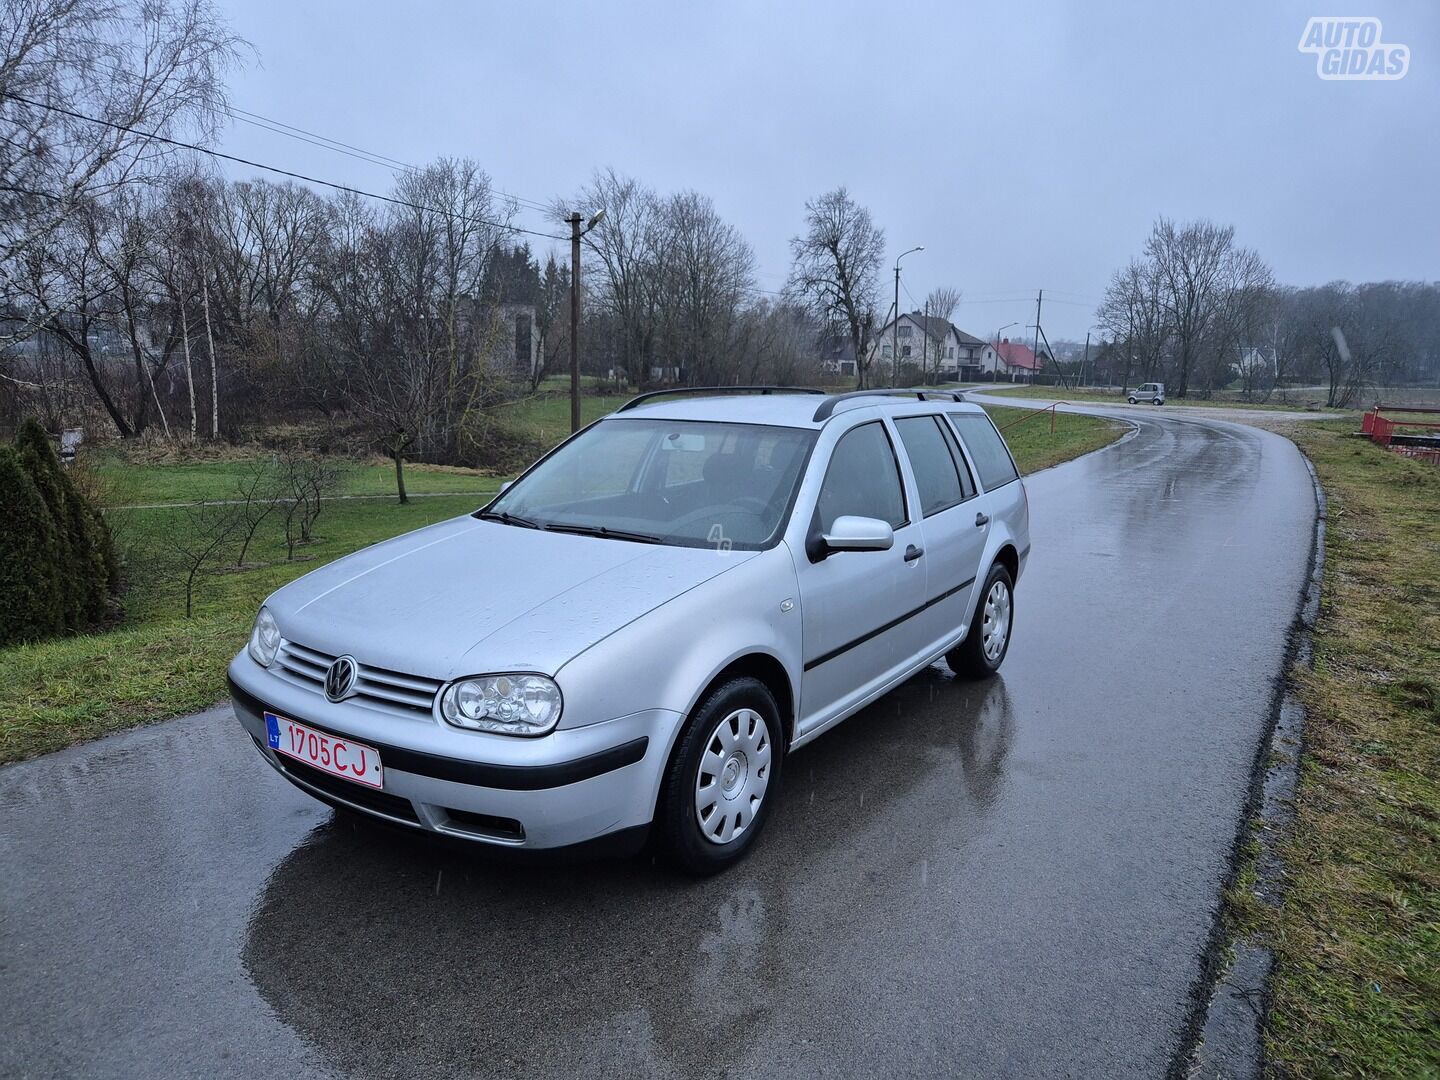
(468, 596)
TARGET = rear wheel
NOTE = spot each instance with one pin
(983, 651)
(722, 778)
(1157, 401)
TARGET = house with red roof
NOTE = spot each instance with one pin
(1014, 361)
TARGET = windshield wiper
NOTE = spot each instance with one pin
(507, 518)
(606, 533)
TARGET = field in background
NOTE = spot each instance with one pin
(160, 664)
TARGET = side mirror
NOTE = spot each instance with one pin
(852, 533)
(505, 486)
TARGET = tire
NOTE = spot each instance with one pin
(728, 758)
(1133, 401)
(1157, 401)
(972, 658)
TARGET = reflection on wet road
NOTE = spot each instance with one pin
(1010, 878)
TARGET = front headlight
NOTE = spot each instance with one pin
(506, 704)
(264, 638)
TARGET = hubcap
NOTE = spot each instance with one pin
(733, 775)
(996, 628)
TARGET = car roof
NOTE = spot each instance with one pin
(783, 410)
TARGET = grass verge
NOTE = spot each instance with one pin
(159, 664)
(1356, 988)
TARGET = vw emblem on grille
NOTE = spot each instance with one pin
(340, 678)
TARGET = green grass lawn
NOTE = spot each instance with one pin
(1035, 447)
(128, 483)
(1356, 989)
(1225, 400)
(159, 664)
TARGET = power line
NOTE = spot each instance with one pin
(324, 142)
(279, 171)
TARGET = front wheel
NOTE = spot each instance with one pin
(1132, 401)
(983, 651)
(722, 778)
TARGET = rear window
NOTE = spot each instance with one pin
(932, 463)
(987, 449)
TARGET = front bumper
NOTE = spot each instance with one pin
(570, 787)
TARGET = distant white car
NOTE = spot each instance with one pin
(645, 624)
(1153, 392)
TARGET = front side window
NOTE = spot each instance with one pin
(863, 479)
(679, 482)
(987, 449)
(931, 460)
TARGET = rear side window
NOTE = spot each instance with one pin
(932, 462)
(987, 449)
(863, 479)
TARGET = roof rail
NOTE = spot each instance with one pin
(653, 394)
(828, 405)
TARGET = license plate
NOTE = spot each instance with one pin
(328, 753)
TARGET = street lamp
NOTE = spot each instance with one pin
(575, 234)
(895, 326)
(997, 342)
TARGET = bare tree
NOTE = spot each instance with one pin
(419, 364)
(706, 277)
(209, 529)
(83, 86)
(629, 248)
(940, 305)
(257, 495)
(1199, 268)
(1133, 313)
(304, 482)
(835, 268)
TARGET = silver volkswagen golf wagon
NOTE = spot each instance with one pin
(632, 637)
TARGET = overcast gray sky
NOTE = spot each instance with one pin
(1026, 145)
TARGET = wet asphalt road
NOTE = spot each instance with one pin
(1016, 878)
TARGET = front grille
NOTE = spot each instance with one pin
(358, 794)
(378, 688)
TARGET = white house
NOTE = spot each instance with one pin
(932, 344)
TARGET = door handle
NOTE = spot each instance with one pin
(912, 553)
(981, 519)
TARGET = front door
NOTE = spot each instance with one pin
(854, 604)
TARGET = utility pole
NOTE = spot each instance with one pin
(1085, 359)
(925, 346)
(574, 220)
(1039, 295)
(895, 332)
(895, 326)
(576, 232)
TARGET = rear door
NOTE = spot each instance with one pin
(854, 603)
(1004, 494)
(955, 526)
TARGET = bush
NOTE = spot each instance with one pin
(72, 564)
(32, 604)
(83, 554)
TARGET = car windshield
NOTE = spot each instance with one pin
(680, 482)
